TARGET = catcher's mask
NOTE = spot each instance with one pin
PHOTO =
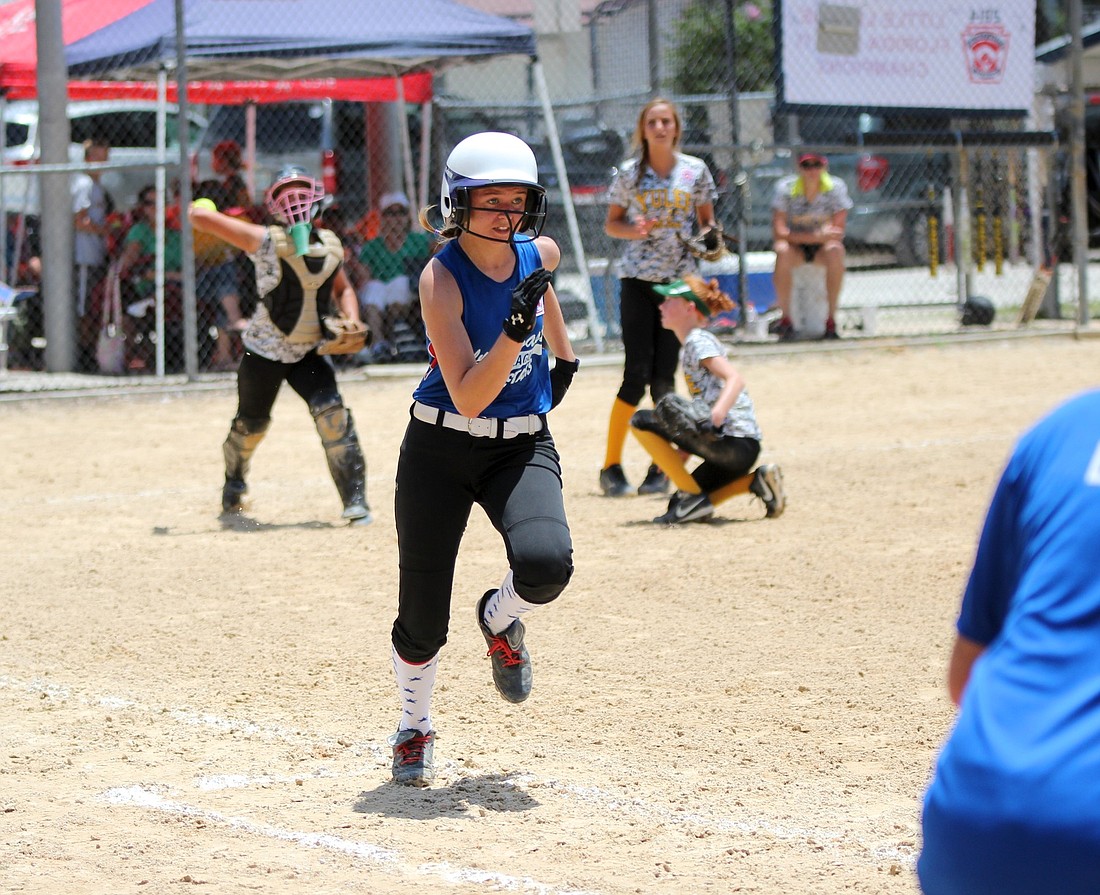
(492, 159)
(294, 197)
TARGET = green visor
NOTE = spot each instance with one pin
(680, 289)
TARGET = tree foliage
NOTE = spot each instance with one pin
(698, 54)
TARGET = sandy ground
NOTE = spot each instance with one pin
(750, 705)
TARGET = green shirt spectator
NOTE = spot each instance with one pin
(407, 259)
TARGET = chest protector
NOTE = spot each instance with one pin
(303, 294)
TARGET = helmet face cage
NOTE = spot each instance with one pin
(492, 159)
(294, 197)
(531, 220)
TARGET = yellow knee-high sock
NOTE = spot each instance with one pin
(666, 456)
(737, 486)
(617, 427)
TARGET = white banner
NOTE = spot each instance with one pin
(919, 54)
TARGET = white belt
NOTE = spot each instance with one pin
(479, 426)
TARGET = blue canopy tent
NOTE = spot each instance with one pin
(283, 39)
(275, 39)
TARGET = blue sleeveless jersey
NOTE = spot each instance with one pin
(485, 304)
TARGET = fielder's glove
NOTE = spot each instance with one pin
(343, 336)
(520, 321)
(560, 379)
(686, 421)
(710, 245)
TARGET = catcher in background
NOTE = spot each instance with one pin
(1014, 805)
(307, 309)
(717, 424)
(656, 200)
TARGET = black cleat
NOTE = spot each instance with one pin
(767, 484)
(656, 482)
(413, 752)
(683, 507)
(511, 661)
(233, 493)
(613, 481)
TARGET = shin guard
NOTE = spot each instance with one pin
(345, 457)
(240, 444)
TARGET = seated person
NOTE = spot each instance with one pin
(809, 212)
(392, 262)
(217, 284)
(232, 191)
(137, 275)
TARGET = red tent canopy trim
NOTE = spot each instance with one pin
(417, 89)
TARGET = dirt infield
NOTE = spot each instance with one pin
(750, 705)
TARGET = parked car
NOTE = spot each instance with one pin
(128, 126)
(325, 137)
(591, 151)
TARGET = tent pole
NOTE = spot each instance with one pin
(425, 151)
(3, 204)
(159, 179)
(250, 146)
(187, 254)
(406, 143)
(567, 202)
(56, 209)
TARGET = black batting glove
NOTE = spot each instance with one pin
(520, 322)
(561, 377)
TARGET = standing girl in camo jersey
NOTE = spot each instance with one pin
(478, 432)
(656, 198)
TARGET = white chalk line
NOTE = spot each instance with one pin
(142, 797)
(815, 838)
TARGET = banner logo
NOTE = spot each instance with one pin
(986, 50)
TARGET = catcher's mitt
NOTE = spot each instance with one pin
(710, 245)
(343, 336)
(686, 421)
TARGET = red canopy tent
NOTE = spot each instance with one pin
(79, 18)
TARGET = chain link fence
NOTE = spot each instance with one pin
(950, 202)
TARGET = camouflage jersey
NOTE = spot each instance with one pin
(272, 261)
(805, 215)
(702, 383)
(672, 201)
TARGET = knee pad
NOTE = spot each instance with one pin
(244, 435)
(552, 571)
(333, 419)
(246, 426)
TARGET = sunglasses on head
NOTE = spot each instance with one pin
(811, 163)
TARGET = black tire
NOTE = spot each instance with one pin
(912, 248)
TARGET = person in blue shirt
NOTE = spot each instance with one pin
(1014, 805)
(478, 431)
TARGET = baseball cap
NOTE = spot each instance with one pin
(394, 198)
(680, 289)
(812, 157)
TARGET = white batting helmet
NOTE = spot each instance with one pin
(491, 159)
